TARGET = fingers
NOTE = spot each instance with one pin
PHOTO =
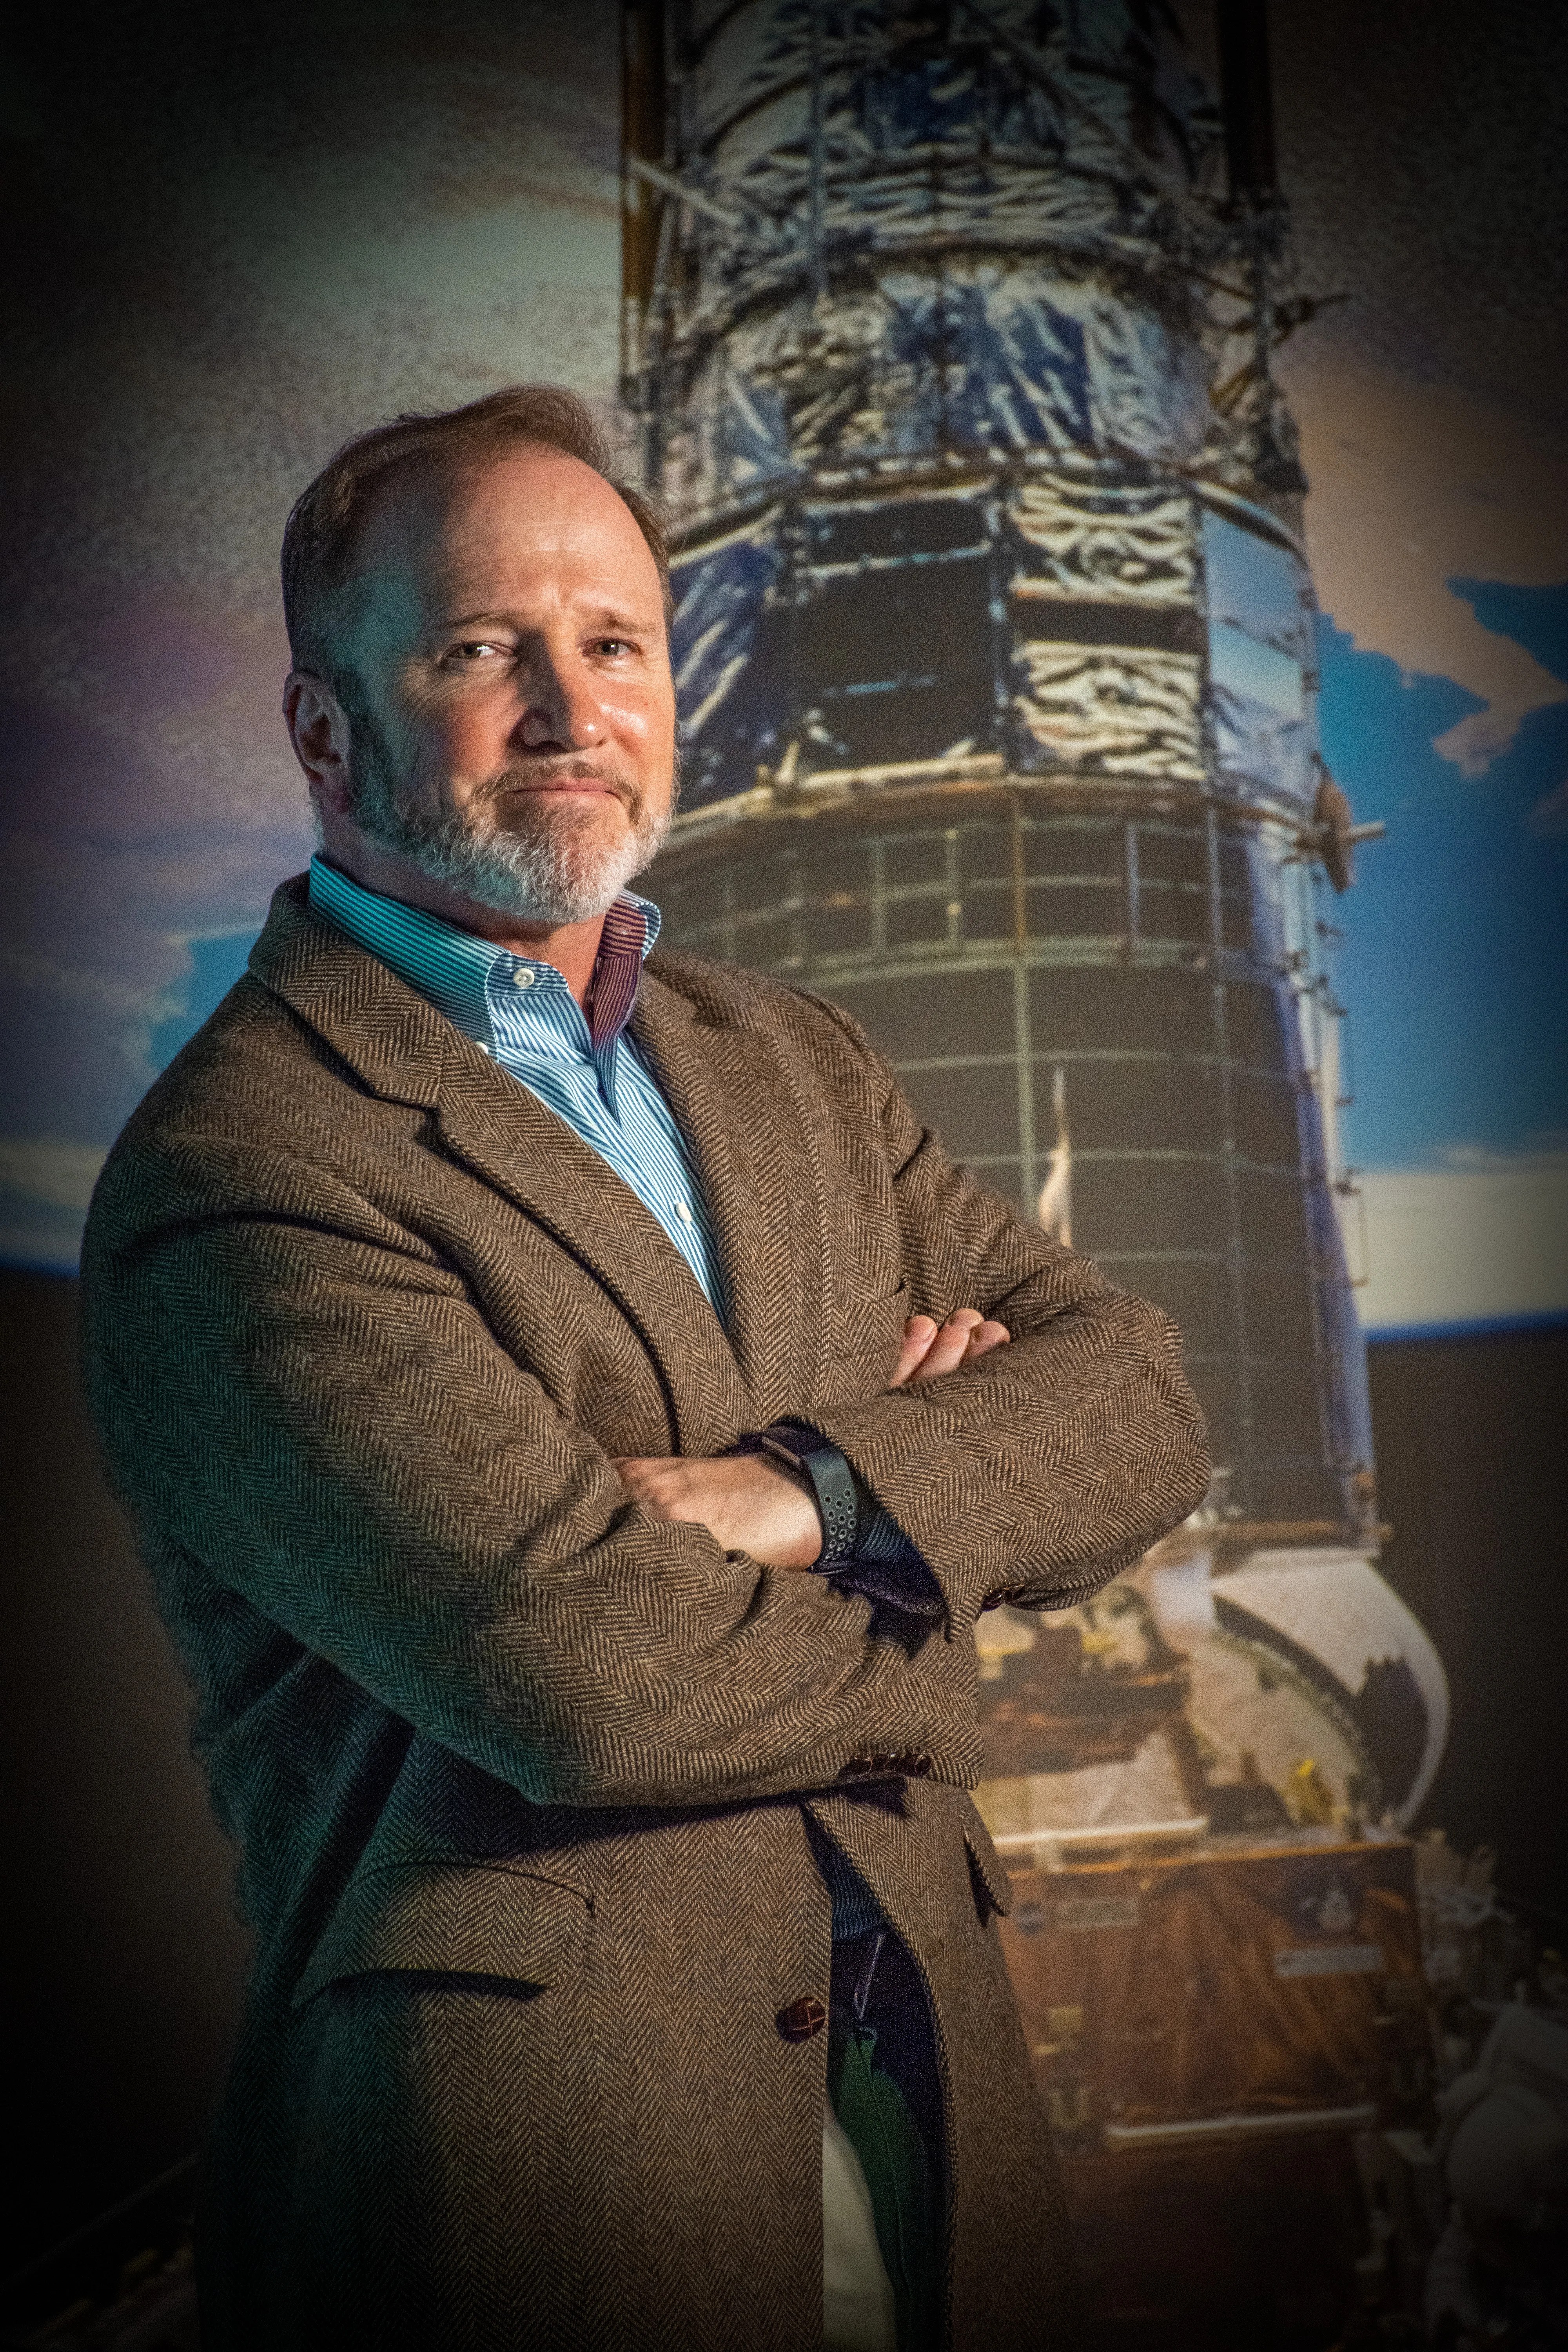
(930, 1350)
(951, 1345)
(990, 1335)
(919, 1333)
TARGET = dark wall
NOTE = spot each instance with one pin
(125, 1976)
(123, 1958)
(1472, 1453)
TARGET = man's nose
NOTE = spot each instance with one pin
(562, 712)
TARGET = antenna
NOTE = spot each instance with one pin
(642, 142)
(1241, 28)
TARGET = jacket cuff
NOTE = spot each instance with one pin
(885, 1565)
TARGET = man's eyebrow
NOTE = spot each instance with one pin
(473, 620)
(624, 624)
(606, 618)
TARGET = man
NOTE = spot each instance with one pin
(627, 1970)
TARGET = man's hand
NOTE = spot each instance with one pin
(931, 1348)
(748, 1502)
(752, 1503)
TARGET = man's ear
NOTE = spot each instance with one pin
(319, 731)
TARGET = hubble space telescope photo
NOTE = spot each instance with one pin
(1103, 462)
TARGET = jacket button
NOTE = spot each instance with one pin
(884, 1768)
(802, 2018)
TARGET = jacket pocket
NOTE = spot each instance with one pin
(871, 1331)
(990, 1875)
(875, 1323)
(447, 1919)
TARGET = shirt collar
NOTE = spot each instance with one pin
(451, 968)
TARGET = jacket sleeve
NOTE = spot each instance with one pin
(311, 1414)
(1035, 1475)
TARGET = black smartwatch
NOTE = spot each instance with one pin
(832, 1481)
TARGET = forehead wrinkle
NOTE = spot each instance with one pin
(406, 566)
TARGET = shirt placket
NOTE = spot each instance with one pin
(557, 1034)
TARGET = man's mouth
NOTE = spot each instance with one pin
(522, 807)
(583, 783)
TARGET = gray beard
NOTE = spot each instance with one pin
(556, 874)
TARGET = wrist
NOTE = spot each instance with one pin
(797, 1447)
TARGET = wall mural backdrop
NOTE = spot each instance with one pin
(234, 264)
(1121, 588)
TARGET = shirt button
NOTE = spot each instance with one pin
(683, 1212)
(523, 976)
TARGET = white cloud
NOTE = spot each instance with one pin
(1414, 484)
(79, 984)
(1480, 1238)
(47, 1172)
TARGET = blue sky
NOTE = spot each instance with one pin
(1455, 958)
(1453, 961)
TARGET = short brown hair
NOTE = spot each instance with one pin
(326, 518)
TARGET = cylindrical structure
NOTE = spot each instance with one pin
(994, 644)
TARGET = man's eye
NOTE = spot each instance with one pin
(610, 645)
(476, 649)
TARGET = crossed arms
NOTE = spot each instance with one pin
(749, 1503)
(331, 1454)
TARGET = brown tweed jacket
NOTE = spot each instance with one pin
(527, 1788)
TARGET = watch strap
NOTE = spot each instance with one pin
(804, 1449)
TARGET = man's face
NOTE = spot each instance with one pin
(512, 734)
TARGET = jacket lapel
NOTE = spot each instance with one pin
(405, 1051)
(509, 1137)
(751, 1138)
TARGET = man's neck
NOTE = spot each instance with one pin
(572, 948)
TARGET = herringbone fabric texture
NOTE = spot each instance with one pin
(523, 1784)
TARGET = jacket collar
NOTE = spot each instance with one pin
(736, 1101)
(393, 1041)
(452, 969)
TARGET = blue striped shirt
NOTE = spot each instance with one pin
(523, 1013)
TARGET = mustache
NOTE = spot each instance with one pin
(537, 776)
